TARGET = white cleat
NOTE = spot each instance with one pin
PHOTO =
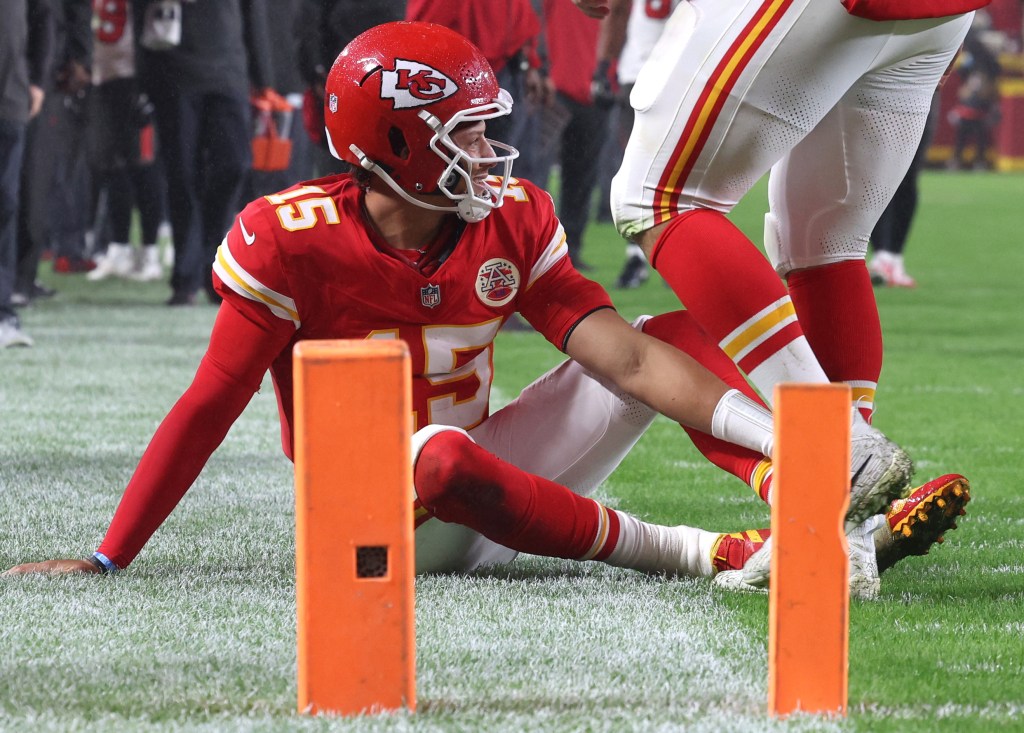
(117, 261)
(864, 581)
(733, 580)
(757, 572)
(881, 473)
(148, 267)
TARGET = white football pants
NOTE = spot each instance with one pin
(833, 105)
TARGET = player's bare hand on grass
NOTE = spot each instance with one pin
(53, 567)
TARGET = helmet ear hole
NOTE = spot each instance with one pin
(399, 146)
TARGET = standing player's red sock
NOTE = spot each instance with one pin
(836, 305)
(681, 330)
(735, 295)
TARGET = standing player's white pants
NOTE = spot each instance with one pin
(833, 105)
(567, 427)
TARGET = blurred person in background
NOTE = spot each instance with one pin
(288, 83)
(123, 150)
(977, 111)
(54, 168)
(583, 100)
(199, 61)
(26, 38)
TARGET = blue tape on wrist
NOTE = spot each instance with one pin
(106, 562)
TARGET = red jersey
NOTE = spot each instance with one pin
(303, 264)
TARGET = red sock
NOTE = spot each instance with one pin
(681, 330)
(725, 282)
(836, 305)
(458, 481)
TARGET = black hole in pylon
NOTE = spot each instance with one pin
(372, 562)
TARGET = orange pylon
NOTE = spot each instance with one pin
(353, 527)
(808, 612)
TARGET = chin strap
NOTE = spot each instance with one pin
(469, 208)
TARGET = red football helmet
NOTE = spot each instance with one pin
(392, 99)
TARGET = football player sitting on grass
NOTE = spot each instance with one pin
(422, 243)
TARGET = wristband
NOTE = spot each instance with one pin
(102, 563)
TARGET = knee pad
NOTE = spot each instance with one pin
(828, 247)
(444, 477)
(421, 436)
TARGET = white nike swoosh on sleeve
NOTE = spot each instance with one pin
(246, 234)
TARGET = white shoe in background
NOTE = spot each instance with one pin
(148, 268)
(12, 335)
(887, 269)
(117, 261)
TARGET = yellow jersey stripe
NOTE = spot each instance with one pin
(236, 278)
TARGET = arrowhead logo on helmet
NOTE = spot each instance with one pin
(412, 84)
(402, 88)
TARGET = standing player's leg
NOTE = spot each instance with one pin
(680, 329)
(748, 95)
(767, 75)
(818, 227)
(827, 194)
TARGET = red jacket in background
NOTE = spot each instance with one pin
(499, 29)
(572, 48)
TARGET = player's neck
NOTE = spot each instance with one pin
(401, 224)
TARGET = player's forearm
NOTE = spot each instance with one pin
(612, 36)
(659, 375)
(695, 397)
(674, 384)
(183, 443)
(669, 380)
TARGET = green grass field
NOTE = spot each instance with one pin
(199, 634)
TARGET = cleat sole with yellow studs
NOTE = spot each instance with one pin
(921, 520)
